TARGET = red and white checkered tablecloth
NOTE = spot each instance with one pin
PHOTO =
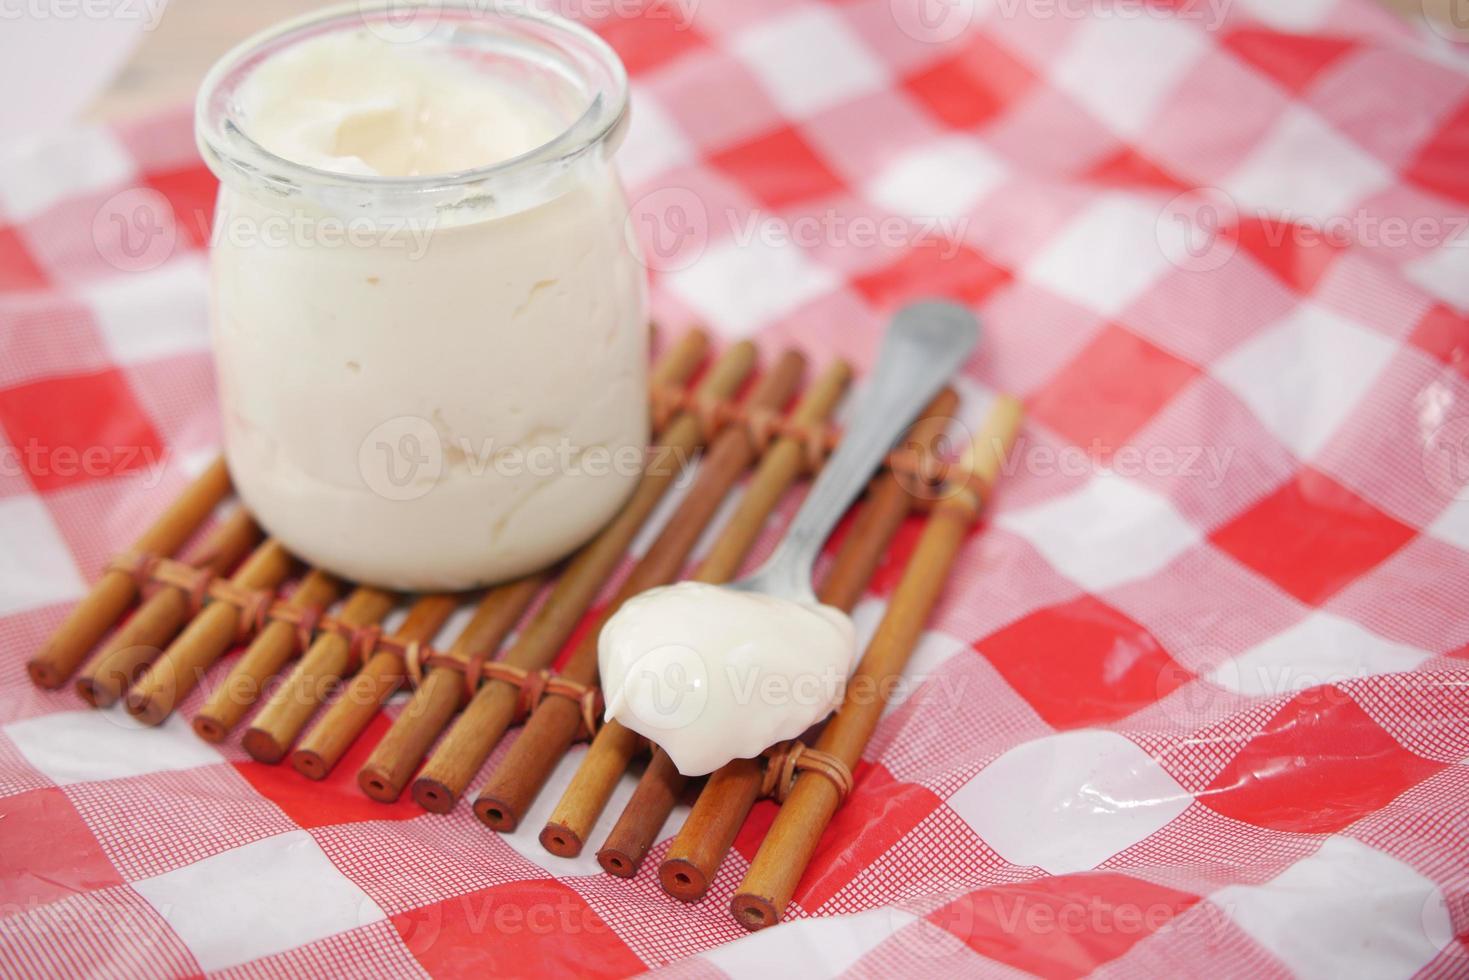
(1197, 698)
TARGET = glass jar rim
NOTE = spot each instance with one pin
(231, 152)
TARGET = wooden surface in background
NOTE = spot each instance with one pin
(1441, 9)
(171, 61)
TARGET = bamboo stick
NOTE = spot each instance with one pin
(116, 589)
(379, 677)
(612, 750)
(266, 655)
(173, 675)
(490, 712)
(656, 795)
(608, 757)
(786, 851)
(442, 691)
(891, 503)
(707, 835)
(393, 759)
(553, 724)
(139, 641)
(727, 798)
(292, 704)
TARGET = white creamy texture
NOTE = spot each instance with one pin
(353, 103)
(437, 406)
(713, 674)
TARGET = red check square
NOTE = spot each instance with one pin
(1298, 256)
(1440, 163)
(1129, 168)
(1083, 663)
(932, 269)
(1312, 536)
(1319, 764)
(516, 930)
(49, 852)
(335, 799)
(1102, 915)
(1444, 333)
(190, 192)
(74, 429)
(1111, 389)
(1293, 60)
(18, 270)
(972, 87)
(778, 169)
(880, 812)
(660, 34)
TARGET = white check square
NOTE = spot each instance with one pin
(1304, 169)
(654, 143)
(1444, 272)
(1299, 16)
(253, 901)
(152, 315)
(1112, 530)
(1068, 802)
(86, 746)
(945, 179)
(1348, 910)
(823, 947)
(1108, 255)
(808, 60)
(39, 571)
(75, 162)
(739, 286)
(1304, 375)
(1122, 68)
(1320, 649)
(1453, 524)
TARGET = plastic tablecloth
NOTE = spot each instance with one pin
(1196, 699)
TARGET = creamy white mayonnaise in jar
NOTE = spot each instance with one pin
(430, 325)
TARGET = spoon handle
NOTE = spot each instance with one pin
(924, 346)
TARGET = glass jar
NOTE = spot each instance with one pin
(438, 381)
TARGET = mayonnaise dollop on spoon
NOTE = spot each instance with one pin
(713, 674)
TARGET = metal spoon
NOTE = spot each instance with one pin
(924, 346)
